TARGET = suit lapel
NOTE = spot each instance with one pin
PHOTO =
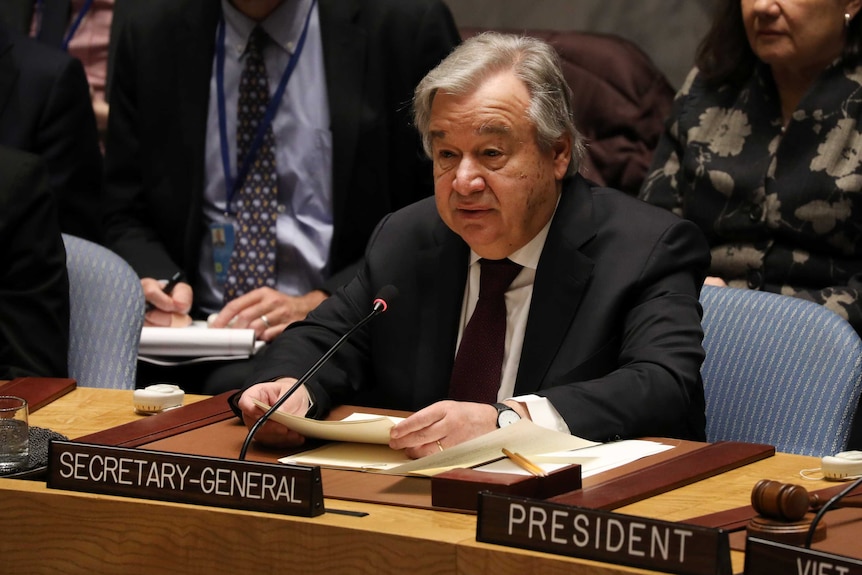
(442, 279)
(344, 48)
(561, 278)
(195, 52)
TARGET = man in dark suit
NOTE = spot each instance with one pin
(34, 285)
(602, 322)
(45, 109)
(345, 151)
(85, 30)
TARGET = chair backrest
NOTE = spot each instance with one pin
(107, 313)
(779, 370)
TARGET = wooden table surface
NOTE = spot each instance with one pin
(47, 530)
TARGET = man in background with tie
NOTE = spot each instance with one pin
(525, 292)
(253, 145)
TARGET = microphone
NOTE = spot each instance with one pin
(380, 304)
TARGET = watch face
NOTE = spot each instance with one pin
(507, 417)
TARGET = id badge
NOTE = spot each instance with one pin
(222, 238)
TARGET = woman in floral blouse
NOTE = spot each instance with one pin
(762, 150)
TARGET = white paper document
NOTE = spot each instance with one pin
(524, 437)
(356, 428)
(195, 343)
(593, 460)
(592, 457)
(361, 442)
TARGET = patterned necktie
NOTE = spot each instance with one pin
(479, 362)
(252, 264)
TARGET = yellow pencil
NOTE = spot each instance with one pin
(524, 463)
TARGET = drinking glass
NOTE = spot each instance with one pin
(14, 434)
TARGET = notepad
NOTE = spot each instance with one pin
(196, 343)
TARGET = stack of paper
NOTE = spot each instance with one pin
(195, 343)
(361, 443)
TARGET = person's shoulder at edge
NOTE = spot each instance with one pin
(35, 55)
(696, 93)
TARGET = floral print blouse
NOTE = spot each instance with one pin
(781, 206)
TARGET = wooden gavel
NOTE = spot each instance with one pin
(788, 502)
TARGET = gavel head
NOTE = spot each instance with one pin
(782, 501)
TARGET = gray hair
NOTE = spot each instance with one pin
(533, 61)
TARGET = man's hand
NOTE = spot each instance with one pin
(267, 311)
(167, 310)
(272, 433)
(444, 424)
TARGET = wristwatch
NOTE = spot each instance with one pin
(506, 415)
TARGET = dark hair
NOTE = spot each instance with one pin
(725, 56)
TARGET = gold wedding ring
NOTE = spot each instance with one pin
(439, 445)
(265, 321)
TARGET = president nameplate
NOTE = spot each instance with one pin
(215, 481)
(602, 536)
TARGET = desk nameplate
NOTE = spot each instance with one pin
(764, 557)
(214, 481)
(602, 536)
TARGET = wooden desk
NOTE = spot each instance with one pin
(46, 530)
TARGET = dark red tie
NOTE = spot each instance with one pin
(479, 362)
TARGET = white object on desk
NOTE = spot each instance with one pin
(842, 466)
(157, 398)
(196, 343)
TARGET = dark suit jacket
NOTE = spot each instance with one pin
(375, 52)
(17, 15)
(613, 338)
(34, 286)
(45, 109)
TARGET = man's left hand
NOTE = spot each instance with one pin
(441, 425)
(267, 311)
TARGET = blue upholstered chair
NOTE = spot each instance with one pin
(779, 370)
(107, 312)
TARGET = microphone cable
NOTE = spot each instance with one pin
(822, 511)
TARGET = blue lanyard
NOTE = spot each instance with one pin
(233, 185)
(79, 17)
(77, 22)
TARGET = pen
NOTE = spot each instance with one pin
(169, 287)
(524, 463)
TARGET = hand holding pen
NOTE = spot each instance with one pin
(167, 289)
(168, 304)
